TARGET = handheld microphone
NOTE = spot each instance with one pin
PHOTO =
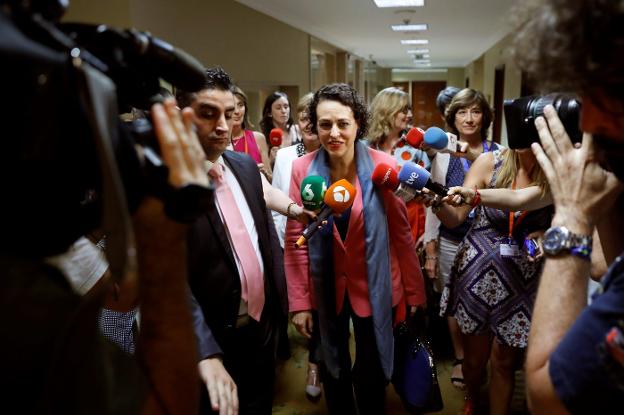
(414, 176)
(385, 177)
(439, 140)
(275, 137)
(338, 198)
(415, 137)
(313, 190)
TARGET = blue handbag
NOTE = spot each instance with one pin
(415, 376)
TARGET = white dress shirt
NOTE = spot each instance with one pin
(281, 180)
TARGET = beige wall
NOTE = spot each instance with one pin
(482, 70)
(259, 52)
(419, 76)
(455, 77)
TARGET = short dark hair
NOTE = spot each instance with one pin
(464, 99)
(346, 95)
(216, 78)
(571, 45)
(445, 97)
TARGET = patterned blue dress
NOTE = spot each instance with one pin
(488, 293)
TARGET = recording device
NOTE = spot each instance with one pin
(60, 106)
(437, 139)
(275, 137)
(521, 113)
(415, 137)
(417, 178)
(338, 198)
(385, 177)
(313, 190)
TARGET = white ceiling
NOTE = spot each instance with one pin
(459, 30)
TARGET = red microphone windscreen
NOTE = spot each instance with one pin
(340, 196)
(275, 137)
(415, 137)
(385, 177)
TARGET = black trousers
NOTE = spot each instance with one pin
(366, 379)
(249, 358)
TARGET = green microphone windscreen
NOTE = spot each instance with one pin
(312, 192)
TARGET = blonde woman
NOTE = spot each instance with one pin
(390, 116)
(493, 282)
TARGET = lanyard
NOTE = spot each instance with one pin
(512, 215)
(465, 162)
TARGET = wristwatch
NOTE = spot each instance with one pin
(559, 239)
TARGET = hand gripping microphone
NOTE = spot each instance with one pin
(385, 177)
(275, 137)
(439, 140)
(338, 198)
(414, 176)
(313, 190)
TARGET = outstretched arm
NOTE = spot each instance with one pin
(529, 198)
(478, 176)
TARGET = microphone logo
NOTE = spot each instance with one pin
(341, 195)
(413, 177)
(307, 193)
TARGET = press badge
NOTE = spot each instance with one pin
(509, 248)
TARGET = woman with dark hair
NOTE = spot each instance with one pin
(468, 116)
(276, 114)
(360, 267)
(244, 140)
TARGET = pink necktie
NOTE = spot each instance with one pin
(252, 280)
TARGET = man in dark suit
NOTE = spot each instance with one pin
(235, 265)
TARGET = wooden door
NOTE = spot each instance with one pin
(424, 94)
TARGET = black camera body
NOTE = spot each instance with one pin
(521, 113)
(51, 170)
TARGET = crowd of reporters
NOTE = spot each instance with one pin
(210, 260)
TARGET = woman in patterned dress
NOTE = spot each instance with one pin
(493, 281)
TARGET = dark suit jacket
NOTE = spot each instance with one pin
(213, 276)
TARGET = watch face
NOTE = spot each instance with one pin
(554, 239)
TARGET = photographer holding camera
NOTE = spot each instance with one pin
(70, 168)
(575, 360)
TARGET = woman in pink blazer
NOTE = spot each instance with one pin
(361, 267)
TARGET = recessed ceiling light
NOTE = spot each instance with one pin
(426, 55)
(409, 27)
(422, 65)
(417, 51)
(414, 42)
(399, 3)
(422, 61)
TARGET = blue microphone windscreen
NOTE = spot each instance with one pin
(436, 138)
(414, 176)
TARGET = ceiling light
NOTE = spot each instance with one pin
(422, 61)
(417, 51)
(425, 55)
(409, 27)
(422, 65)
(399, 3)
(414, 42)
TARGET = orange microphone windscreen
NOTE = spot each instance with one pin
(340, 196)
